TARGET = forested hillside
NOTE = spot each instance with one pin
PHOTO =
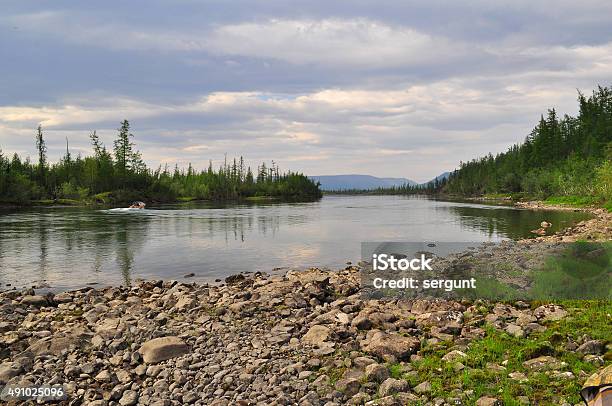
(563, 156)
(121, 175)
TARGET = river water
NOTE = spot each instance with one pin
(73, 247)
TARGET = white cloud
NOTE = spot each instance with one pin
(340, 42)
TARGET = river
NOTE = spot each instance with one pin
(68, 247)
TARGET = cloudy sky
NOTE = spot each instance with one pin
(388, 88)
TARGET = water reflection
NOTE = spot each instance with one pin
(514, 224)
(72, 247)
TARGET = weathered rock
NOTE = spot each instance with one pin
(348, 386)
(515, 330)
(163, 348)
(592, 347)
(488, 401)
(384, 345)
(34, 300)
(454, 355)
(392, 386)
(550, 313)
(129, 398)
(518, 376)
(9, 370)
(543, 363)
(318, 335)
(423, 388)
(65, 341)
(376, 372)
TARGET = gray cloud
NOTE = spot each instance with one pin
(388, 88)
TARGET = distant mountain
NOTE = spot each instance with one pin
(440, 177)
(360, 182)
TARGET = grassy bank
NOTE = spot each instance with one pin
(492, 359)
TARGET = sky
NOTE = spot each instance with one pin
(387, 88)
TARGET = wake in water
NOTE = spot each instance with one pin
(125, 210)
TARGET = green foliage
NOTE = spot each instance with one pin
(575, 201)
(566, 156)
(107, 179)
(586, 318)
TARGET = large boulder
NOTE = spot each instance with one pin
(318, 336)
(385, 345)
(163, 348)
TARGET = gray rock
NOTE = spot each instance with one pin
(423, 388)
(348, 386)
(9, 370)
(376, 373)
(454, 355)
(488, 401)
(318, 335)
(543, 363)
(515, 331)
(392, 386)
(129, 398)
(593, 347)
(383, 345)
(163, 348)
(34, 300)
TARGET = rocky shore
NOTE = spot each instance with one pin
(304, 338)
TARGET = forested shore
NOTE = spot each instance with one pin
(120, 175)
(564, 160)
(567, 158)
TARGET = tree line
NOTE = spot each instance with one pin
(120, 175)
(429, 188)
(562, 156)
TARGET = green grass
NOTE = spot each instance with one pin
(590, 318)
(50, 202)
(574, 201)
(261, 198)
(608, 206)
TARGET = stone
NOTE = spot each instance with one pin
(129, 398)
(9, 370)
(104, 376)
(163, 348)
(593, 347)
(488, 401)
(383, 345)
(515, 331)
(361, 323)
(234, 279)
(543, 363)
(6, 326)
(63, 342)
(392, 386)
(423, 388)
(34, 300)
(318, 335)
(454, 355)
(550, 313)
(348, 386)
(185, 302)
(376, 373)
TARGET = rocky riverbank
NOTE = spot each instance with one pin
(305, 338)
